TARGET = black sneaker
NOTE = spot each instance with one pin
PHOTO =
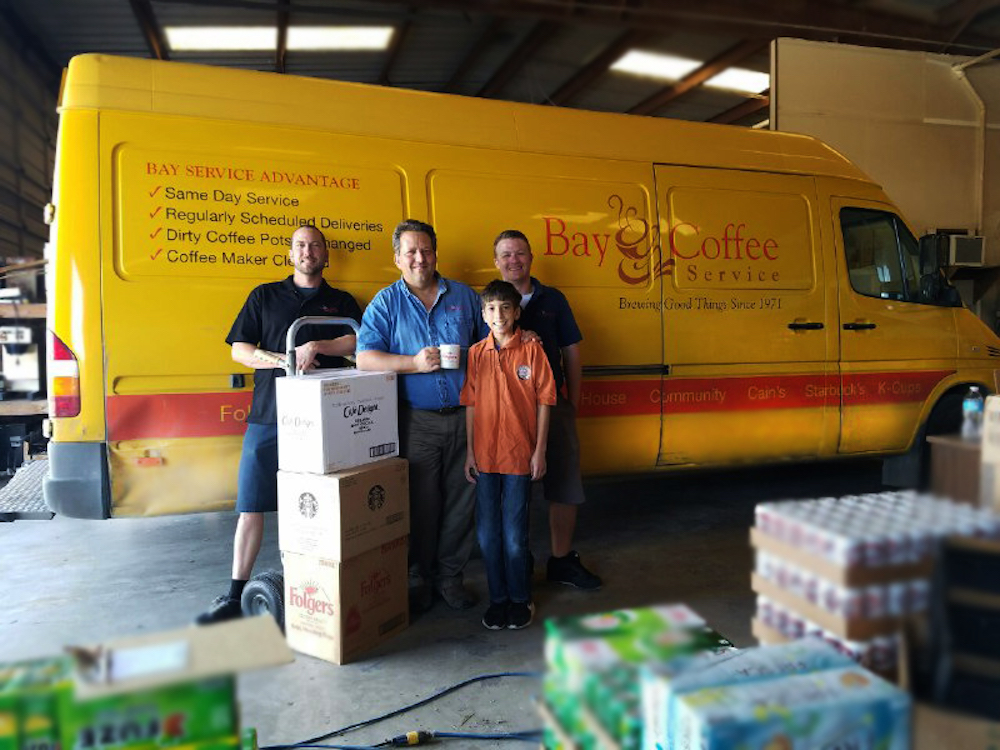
(223, 608)
(520, 615)
(570, 571)
(495, 617)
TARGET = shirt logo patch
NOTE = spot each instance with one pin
(328, 309)
(524, 372)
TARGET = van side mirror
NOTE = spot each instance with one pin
(933, 253)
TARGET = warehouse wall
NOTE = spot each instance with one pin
(27, 148)
(904, 118)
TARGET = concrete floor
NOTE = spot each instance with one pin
(681, 538)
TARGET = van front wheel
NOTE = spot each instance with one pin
(913, 468)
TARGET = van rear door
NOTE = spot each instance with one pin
(750, 327)
(894, 348)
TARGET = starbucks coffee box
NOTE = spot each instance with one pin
(339, 516)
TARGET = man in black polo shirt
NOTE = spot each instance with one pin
(544, 309)
(258, 341)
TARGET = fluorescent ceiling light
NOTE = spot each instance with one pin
(656, 65)
(204, 38)
(250, 38)
(740, 79)
(339, 37)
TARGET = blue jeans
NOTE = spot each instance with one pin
(502, 528)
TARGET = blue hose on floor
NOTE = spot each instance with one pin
(527, 736)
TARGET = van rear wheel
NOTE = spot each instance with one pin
(264, 595)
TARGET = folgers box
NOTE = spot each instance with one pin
(336, 419)
(339, 516)
(337, 610)
(174, 689)
(835, 708)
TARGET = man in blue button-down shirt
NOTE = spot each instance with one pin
(402, 330)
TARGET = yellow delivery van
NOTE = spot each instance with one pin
(745, 296)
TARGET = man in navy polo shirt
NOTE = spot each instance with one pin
(258, 341)
(402, 330)
(545, 311)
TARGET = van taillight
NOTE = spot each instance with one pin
(64, 379)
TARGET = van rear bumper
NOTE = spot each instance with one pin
(78, 485)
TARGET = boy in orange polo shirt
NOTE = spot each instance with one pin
(507, 394)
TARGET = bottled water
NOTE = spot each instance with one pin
(972, 414)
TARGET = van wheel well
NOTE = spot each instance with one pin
(912, 469)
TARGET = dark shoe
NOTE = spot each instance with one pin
(570, 571)
(520, 615)
(421, 596)
(495, 617)
(455, 594)
(223, 608)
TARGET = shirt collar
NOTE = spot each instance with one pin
(442, 286)
(289, 283)
(514, 343)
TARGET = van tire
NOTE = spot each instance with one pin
(264, 595)
(913, 468)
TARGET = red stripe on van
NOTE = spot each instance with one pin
(177, 415)
(606, 398)
(182, 415)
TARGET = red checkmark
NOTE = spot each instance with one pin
(153, 256)
(153, 235)
(154, 191)
(155, 212)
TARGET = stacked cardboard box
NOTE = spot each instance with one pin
(852, 570)
(175, 689)
(591, 690)
(343, 512)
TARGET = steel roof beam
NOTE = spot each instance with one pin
(398, 37)
(712, 68)
(282, 49)
(473, 55)
(745, 109)
(525, 50)
(599, 65)
(758, 19)
(150, 27)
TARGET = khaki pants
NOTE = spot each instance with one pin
(442, 501)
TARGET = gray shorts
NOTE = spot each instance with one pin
(562, 480)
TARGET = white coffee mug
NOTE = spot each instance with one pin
(451, 356)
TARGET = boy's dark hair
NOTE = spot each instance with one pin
(500, 291)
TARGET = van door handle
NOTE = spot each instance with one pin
(859, 326)
(806, 326)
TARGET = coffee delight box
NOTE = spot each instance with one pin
(332, 420)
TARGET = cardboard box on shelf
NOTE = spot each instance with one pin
(334, 420)
(989, 475)
(336, 611)
(338, 516)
